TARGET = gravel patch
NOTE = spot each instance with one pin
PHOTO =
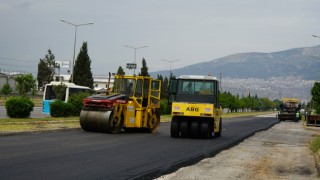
(279, 153)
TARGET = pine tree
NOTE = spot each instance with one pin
(144, 69)
(315, 92)
(120, 71)
(159, 77)
(172, 76)
(82, 68)
(165, 87)
(46, 69)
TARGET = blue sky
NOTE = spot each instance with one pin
(190, 30)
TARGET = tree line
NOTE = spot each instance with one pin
(83, 76)
(232, 102)
(246, 103)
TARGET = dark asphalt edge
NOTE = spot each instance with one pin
(158, 172)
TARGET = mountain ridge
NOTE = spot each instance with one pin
(287, 73)
(303, 62)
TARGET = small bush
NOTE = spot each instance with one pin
(60, 109)
(318, 110)
(165, 108)
(19, 107)
(76, 102)
(60, 91)
(315, 144)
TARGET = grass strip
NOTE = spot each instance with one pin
(14, 125)
(315, 144)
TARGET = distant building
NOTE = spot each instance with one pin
(100, 82)
(62, 77)
(9, 77)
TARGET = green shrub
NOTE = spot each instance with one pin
(60, 91)
(19, 107)
(318, 110)
(315, 144)
(165, 108)
(60, 109)
(6, 89)
(76, 102)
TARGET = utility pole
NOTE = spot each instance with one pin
(75, 40)
(170, 61)
(135, 55)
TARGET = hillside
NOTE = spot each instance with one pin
(287, 70)
(304, 62)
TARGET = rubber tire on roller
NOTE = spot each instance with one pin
(184, 128)
(205, 129)
(154, 122)
(194, 129)
(174, 128)
(115, 123)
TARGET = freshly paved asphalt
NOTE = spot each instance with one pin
(77, 154)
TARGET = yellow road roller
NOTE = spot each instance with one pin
(133, 104)
(196, 111)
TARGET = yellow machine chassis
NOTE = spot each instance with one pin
(198, 113)
(141, 111)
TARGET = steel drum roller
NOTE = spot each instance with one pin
(97, 121)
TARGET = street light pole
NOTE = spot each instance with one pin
(75, 41)
(170, 61)
(135, 54)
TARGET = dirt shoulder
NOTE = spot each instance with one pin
(279, 153)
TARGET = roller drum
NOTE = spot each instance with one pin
(97, 121)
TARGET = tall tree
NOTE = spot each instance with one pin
(5, 90)
(165, 87)
(315, 92)
(144, 69)
(46, 69)
(121, 71)
(82, 68)
(159, 77)
(25, 83)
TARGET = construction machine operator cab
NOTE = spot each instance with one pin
(145, 91)
(200, 89)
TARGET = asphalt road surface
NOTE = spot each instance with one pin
(77, 154)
